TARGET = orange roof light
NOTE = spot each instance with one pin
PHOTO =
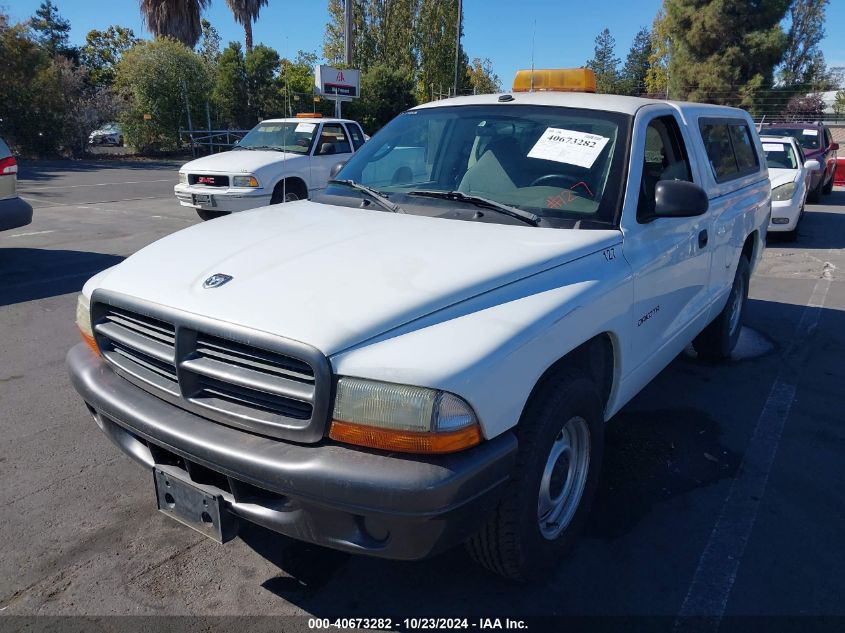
(309, 115)
(555, 80)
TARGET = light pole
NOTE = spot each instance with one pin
(457, 47)
(347, 32)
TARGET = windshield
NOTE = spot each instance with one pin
(294, 136)
(554, 162)
(779, 155)
(808, 138)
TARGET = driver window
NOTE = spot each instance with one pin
(333, 140)
(665, 159)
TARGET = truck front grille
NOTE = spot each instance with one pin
(209, 180)
(261, 383)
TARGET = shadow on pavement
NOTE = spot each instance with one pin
(36, 273)
(42, 171)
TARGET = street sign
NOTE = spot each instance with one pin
(336, 83)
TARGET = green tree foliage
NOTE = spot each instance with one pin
(435, 32)
(178, 19)
(209, 47)
(839, 104)
(103, 50)
(481, 77)
(262, 66)
(230, 87)
(246, 12)
(157, 78)
(633, 77)
(657, 76)
(803, 61)
(391, 23)
(333, 39)
(31, 100)
(605, 63)
(724, 51)
(50, 29)
(385, 92)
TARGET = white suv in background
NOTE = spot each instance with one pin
(279, 160)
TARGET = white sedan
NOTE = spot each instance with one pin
(790, 178)
(279, 160)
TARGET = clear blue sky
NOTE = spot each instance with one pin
(498, 29)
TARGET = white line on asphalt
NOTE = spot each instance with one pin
(99, 184)
(81, 205)
(32, 233)
(707, 597)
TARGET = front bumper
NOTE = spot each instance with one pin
(789, 210)
(356, 500)
(14, 213)
(226, 200)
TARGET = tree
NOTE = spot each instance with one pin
(605, 63)
(724, 51)
(657, 77)
(230, 87)
(262, 65)
(157, 78)
(805, 108)
(385, 92)
(179, 19)
(51, 29)
(635, 71)
(333, 39)
(391, 27)
(482, 78)
(209, 48)
(103, 50)
(246, 12)
(435, 40)
(803, 60)
(32, 106)
(839, 104)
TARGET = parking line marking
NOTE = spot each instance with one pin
(98, 184)
(32, 233)
(707, 597)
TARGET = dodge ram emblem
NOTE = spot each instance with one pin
(216, 280)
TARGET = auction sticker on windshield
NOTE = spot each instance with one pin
(305, 127)
(568, 146)
(773, 147)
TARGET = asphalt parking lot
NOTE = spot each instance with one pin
(723, 490)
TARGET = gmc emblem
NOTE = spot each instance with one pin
(205, 180)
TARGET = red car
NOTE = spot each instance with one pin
(816, 141)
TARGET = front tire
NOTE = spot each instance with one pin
(289, 192)
(717, 340)
(561, 443)
(206, 215)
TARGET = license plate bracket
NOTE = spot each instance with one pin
(198, 507)
(205, 199)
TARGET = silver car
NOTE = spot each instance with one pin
(14, 212)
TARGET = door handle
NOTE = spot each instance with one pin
(702, 239)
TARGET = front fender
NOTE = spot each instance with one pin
(492, 349)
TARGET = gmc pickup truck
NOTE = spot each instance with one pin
(427, 353)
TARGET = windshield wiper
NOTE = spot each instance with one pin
(275, 149)
(459, 196)
(375, 195)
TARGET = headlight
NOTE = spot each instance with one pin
(784, 192)
(402, 418)
(244, 181)
(183, 178)
(83, 322)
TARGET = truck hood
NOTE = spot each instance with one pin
(335, 276)
(239, 161)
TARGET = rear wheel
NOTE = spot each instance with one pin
(717, 340)
(561, 442)
(289, 191)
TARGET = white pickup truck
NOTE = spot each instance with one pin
(279, 160)
(427, 353)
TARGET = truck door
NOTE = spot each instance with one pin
(332, 147)
(670, 257)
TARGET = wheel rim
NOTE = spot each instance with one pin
(736, 305)
(564, 478)
(291, 197)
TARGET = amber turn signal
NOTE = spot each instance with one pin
(405, 441)
(90, 342)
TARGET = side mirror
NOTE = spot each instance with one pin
(336, 169)
(834, 147)
(679, 199)
(812, 165)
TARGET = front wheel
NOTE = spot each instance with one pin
(206, 215)
(288, 192)
(561, 442)
(717, 340)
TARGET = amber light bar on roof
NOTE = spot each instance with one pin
(555, 80)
